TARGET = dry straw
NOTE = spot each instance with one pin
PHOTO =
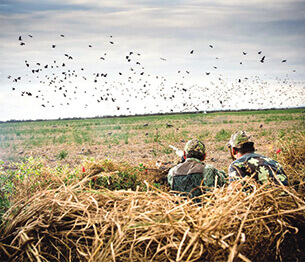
(292, 157)
(77, 223)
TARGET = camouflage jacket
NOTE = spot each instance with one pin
(263, 169)
(192, 174)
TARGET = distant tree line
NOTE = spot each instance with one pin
(156, 114)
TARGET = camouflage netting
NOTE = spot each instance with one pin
(77, 223)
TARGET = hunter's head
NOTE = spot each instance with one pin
(195, 149)
(240, 142)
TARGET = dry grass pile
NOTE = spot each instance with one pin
(77, 223)
(292, 157)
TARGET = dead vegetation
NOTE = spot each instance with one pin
(293, 158)
(77, 223)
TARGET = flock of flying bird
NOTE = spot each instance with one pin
(127, 89)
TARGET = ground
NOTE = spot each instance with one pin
(135, 143)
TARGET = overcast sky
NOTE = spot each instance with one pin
(79, 58)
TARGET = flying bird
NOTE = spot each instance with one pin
(262, 59)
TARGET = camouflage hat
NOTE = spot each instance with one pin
(238, 139)
(194, 148)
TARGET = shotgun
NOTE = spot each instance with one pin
(177, 151)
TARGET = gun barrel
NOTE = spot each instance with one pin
(175, 148)
(177, 151)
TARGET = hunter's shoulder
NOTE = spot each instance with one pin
(175, 167)
(254, 157)
(246, 158)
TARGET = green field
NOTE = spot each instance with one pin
(35, 138)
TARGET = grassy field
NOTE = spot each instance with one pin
(57, 171)
(140, 139)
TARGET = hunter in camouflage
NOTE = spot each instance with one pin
(193, 176)
(250, 164)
